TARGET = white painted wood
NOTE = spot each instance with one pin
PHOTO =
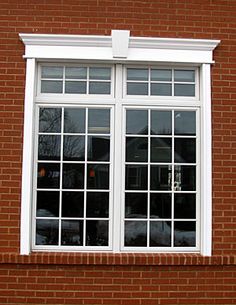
(120, 43)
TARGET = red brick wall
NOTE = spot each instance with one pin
(134, 284)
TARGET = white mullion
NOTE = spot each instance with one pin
(173, 177)
(61, 175)
(149, 177)
(85, 176)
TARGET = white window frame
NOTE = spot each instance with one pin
(118, 48)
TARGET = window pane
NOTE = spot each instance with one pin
(48, 175)
(161, 149)
(100, 73)
(97, 204)
(136, 149)
(49, 120)
(161, 89)
(161, 75)
(47, 232)
(137, 88)
(72, 233)
(98, 148)
(51, 72)
(136, 177)
(96, 233)
(73, 176)
(74, 120)
(136, 122)
(98, 176)
(51, 86)
(73, 148)
(185, 178)
(185, 234)
(135, 205)
(72, 204)
(99, 87)
(185, 122)
(135, 233)
(161, 122)
(99, 121)
(184, 76)
(76, 73)
(160, 205)
(47, 204)
(75, 87)
(184, 90)
(161, 177)
(137, 74)
(49, 147)
(160, 234)
(185, 206)
(185, 150)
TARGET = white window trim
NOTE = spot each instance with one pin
(118, 48)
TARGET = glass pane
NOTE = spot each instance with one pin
(49, 147)
(98, 148)
(98, 176)
(185, 150)
(185, 206)
(47, 232)
(161, 177)
(136, 122)
(135, 205)
(76, 73)
(135, 233)
(99, 88)
(136, 149)
(161, 75)
(72, 204)
(185, 178)
(74, 120)
(161, 149)
(48, 175)
(51, 86)
(160, 205)
(50, 120)
(47, 204)
(137, 74)
(99, 120)
(73, 148)
(160, 234)
(73, 176)
(72, 233)
(184, 75)
(97, 204)
(52, 72)
(184, 90)
(185, 122)
(96, 233)
(75, 87)
(161, 122)
(137, 88)
(100, 73)
(161, 89)
(185, 234)
(136, 177)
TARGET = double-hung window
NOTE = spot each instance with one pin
(117, 145)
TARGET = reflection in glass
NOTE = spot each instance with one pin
(136, 205)
(73, 148)
(184, 76)
(96, 233)
(185, 178)
(99, 87)
(185, 122)
(72, 233)
(75, 87)
(160, 205)
(49, 147)
(51, 86)
(136, 122)
(76, 73)
(51, 72)
(98, 148)
(48, 175)
(97, 204)
(47, 232)
(185, 234)
(100, 73)
(161, 75)
(135, 233)
(136, 149)
(161, 149)
(185, 150)
(136, 177)
(72, 204)
(137, 74)
(184, 90)
(160, 234)
(50, 120)
(161, 89)
(137, 88)
(99, 121)
(73, 176)
(74, 120)
(98, 176)
(161, 177)
(185, 206)
(161, 122)
(47, 204)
